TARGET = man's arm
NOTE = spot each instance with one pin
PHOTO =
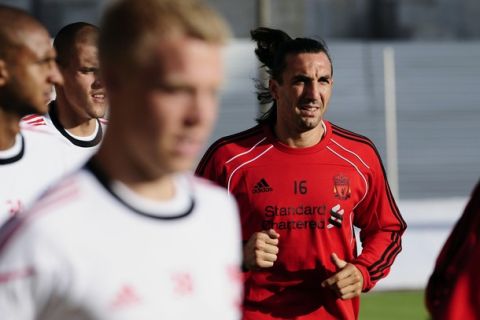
(381, 227)
(452, 290)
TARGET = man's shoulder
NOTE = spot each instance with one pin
(351, 139)
(42, 138)
(103, 121)
(47, 214)
(212, 195)
(38, 123)
(37, 126)
(237, 143)
(68, 190)
(34, 120)
(355, 147)
(206, 187)
(231, 147)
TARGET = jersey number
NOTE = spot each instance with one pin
(300, 187)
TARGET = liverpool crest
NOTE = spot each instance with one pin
(341, 187)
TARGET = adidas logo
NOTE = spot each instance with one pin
(262, 186)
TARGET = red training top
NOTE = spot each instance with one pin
(452, 291)
(313, 197)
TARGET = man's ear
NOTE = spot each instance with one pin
(273, 86)
(3, 73)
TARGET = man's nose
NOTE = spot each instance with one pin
(313, 90)
(202, 105)
(98, 83)
(55, 76)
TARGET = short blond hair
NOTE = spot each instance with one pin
(128, 26)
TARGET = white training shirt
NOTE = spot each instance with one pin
(34, 162)
(80, 148)
(90, 249)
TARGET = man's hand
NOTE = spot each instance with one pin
(347, 282)
(261, 250)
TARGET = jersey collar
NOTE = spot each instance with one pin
(322, 144)
(107, 184)
(16, 156)
(79, 143)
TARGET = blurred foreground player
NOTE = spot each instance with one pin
(452, 292)
(133, 235)
(29, 158)
(76, 113)
(302, 184)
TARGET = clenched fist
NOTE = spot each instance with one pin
(261, 250)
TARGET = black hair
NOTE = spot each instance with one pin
(65, 40)
(273, 46)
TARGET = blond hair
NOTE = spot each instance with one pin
(129, 26)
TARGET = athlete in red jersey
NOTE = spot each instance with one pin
(452, 292)
(302, 184)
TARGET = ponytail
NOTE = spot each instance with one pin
(268, 41)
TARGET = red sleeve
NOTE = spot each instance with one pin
(452, 290)
(214, 163)
(464, 301)
(381, 227)
(212, 166)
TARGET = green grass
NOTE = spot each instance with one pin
(393, 305)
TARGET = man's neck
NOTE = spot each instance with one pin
(119, 165)
(84, 129)
(9, 128)
(73, 123)
(301, 139)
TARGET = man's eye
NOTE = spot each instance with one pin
(88, 70)
(47, 61)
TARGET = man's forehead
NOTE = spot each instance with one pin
(165, 53)
(303, 61)
(86, 52)
(23, 34)
(36, 39)
(307, 57)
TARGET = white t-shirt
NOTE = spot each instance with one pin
(34, 162)
(91, 249)
(80, 148)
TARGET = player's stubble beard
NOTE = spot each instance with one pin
(304, 124)
(19, 105)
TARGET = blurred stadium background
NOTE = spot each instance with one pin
(437, 59)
